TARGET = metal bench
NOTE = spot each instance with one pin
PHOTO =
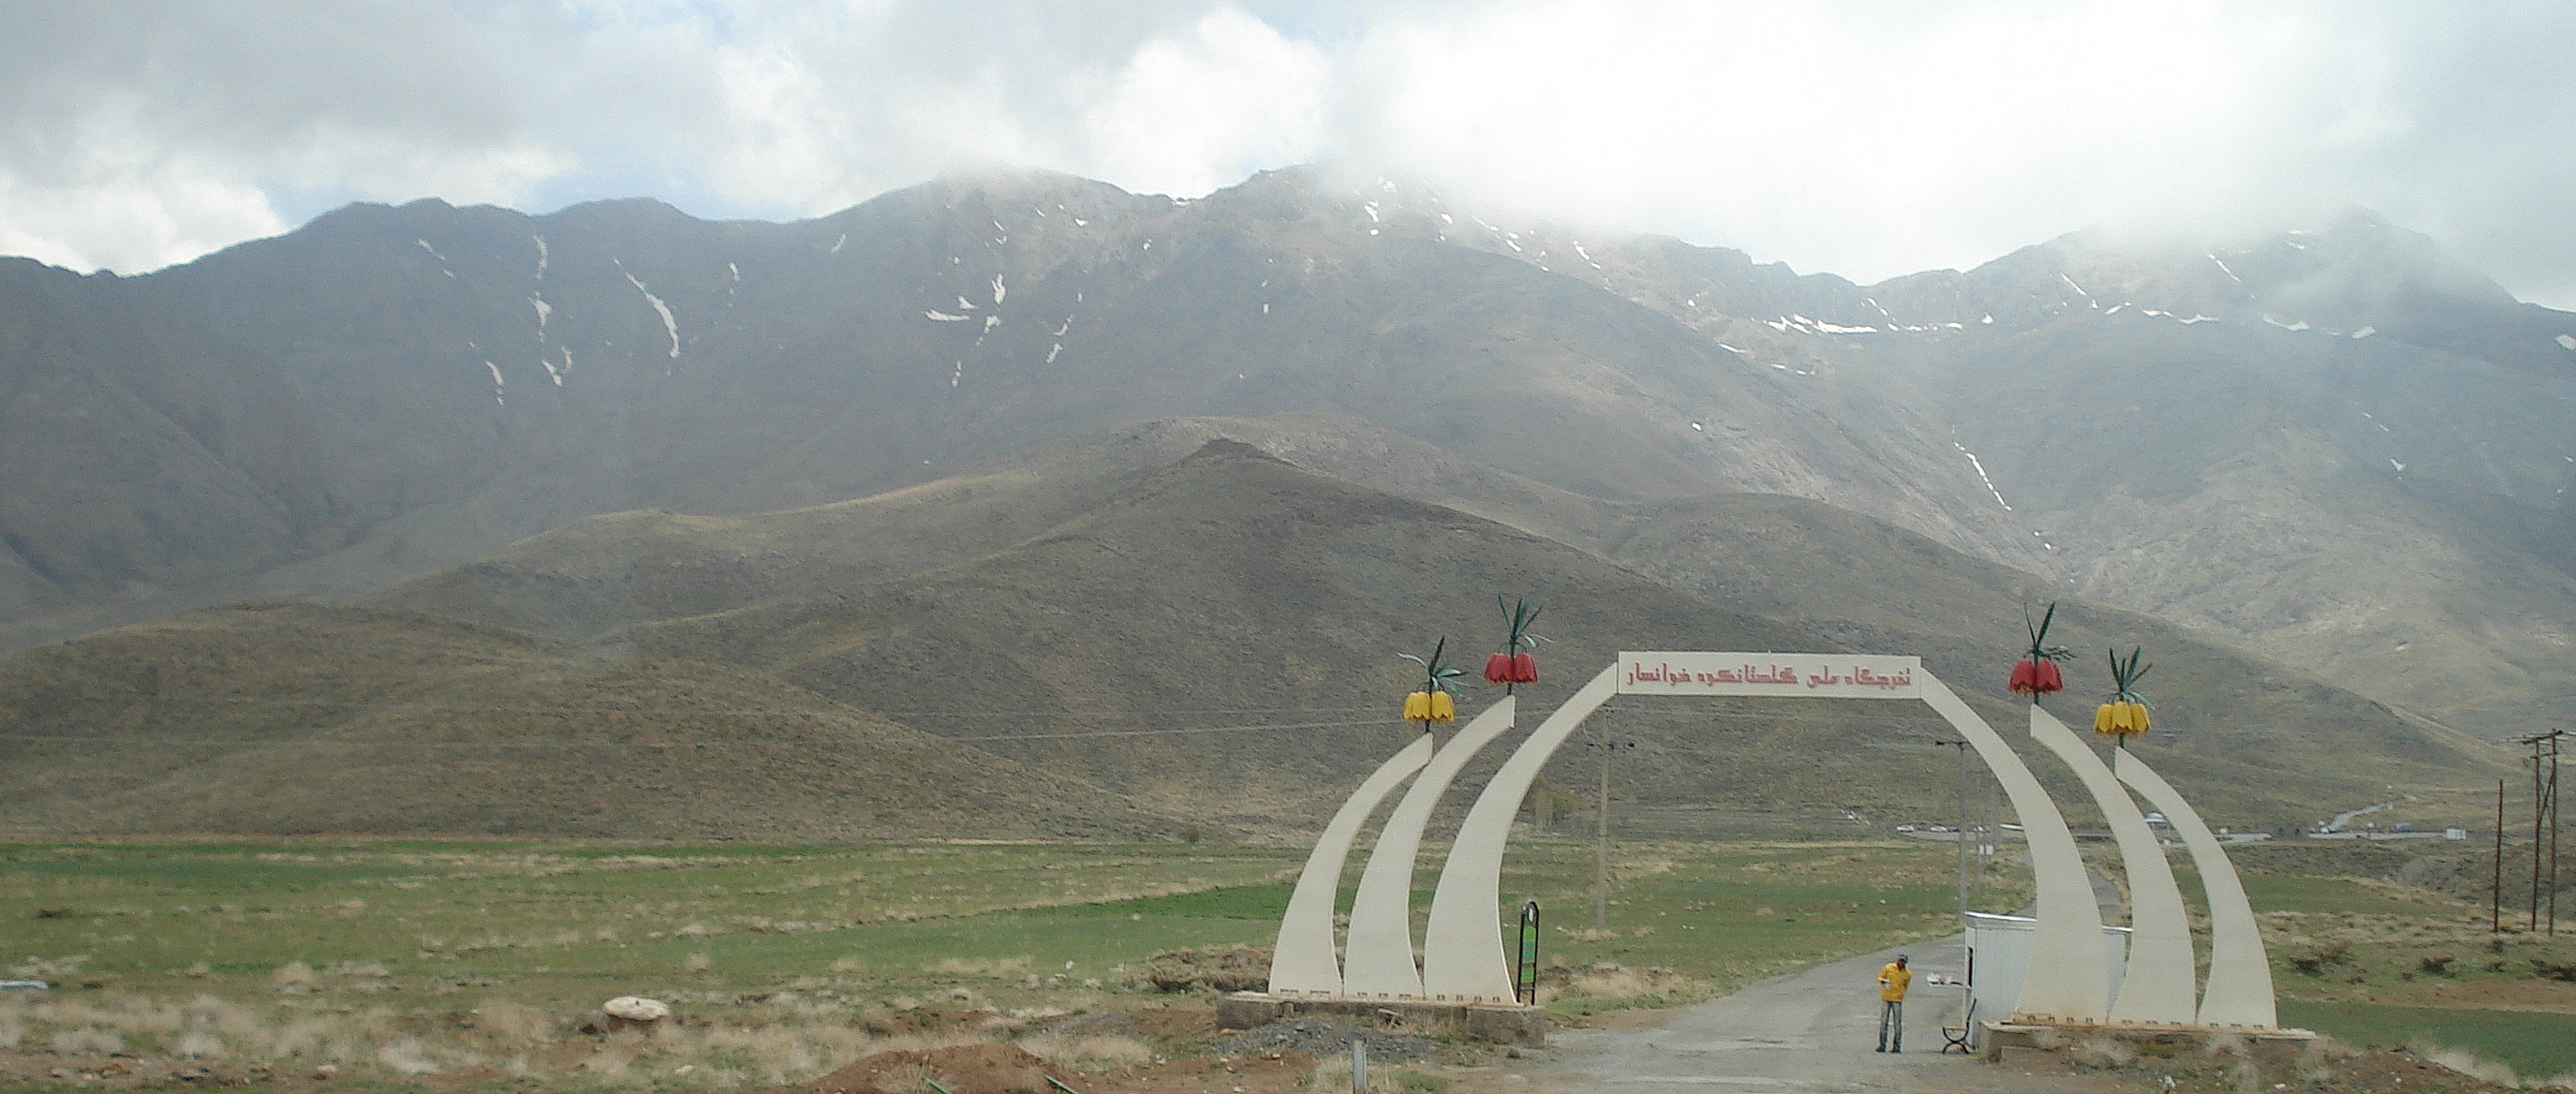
(1960, 1035)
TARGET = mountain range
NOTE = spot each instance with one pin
(1206, 640)
(2331, 459)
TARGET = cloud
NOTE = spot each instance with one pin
(102, 213)
(1866, 138)
(1877, 139)
(822, 113)
(1190, 113)
(133, 135)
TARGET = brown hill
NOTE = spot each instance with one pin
(297, 718)
(1230, 574)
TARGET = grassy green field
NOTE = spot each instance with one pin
(2538, 1045)
(2372, 962)
(395, 957)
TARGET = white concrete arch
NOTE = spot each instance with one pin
(1378, 954)
(1462, 947)
(1463, 953)
(1305, 961)
(2158, 984)
(2239, 992)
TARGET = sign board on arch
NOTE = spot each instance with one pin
(1777, 675)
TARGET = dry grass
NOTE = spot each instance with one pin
(2469, 1063)
(1089, 1053)
(49, 968)
(2101, 1053)
(1332, 1075)
(1003, 968)
(802, 1043)
(1609, 981)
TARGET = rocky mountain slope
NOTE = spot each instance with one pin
(2334, 448)
(1204, 638)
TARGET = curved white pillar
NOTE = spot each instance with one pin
(1377, 958)
(2159, 983)
(2239, 992)
(1462, 948)
(2068, 980)
(1304, 962)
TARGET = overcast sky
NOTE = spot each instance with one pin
(1866, 139)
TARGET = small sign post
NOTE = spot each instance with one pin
(1525, 970)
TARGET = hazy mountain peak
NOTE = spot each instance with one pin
(1227, 448)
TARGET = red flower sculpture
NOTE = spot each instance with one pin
(1515, 664)
(2036, 673)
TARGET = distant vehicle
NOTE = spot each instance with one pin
(2155, 818)
(1937, 828)
(2401, 827)
(1904, 828)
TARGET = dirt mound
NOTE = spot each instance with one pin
(1172, 1027)
(1324, 1037)
(1236, 968)
(962, 1069)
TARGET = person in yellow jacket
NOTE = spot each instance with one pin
(1893, 979)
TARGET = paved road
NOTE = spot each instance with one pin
(1810, 1032)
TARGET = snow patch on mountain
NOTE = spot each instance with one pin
(1980, 465)
(670, 323)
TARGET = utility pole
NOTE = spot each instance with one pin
(1989, 838)
(1962, 831)
(2495, 893)
(2544, 824)
(1601, 847)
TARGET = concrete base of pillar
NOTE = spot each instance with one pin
(1995, 1037)
(1502, 1025)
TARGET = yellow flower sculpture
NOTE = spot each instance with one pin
(2125, 715)
(1433, 703)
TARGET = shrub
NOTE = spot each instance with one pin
(1235, 968)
